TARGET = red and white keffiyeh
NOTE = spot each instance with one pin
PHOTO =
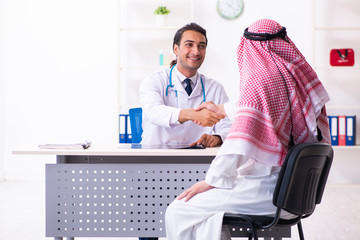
(262, 126)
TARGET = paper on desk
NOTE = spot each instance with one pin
(83, 145)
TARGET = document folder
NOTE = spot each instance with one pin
(350, 130)
(333, 124)
(128, 135)
(342, 130)
(124, 129)
(135, 115)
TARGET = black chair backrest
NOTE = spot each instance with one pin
(303, 177)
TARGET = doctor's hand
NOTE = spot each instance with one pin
(198, 187)
(203, 117)
(219, 109)
(212, 107)
(208, 141)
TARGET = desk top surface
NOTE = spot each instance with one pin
(119, 150)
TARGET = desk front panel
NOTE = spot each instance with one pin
(108, 196)
(99, 200)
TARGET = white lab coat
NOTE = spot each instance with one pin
(160, 112)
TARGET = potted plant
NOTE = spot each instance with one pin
(161, 14)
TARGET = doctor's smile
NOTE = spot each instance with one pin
(194, 59)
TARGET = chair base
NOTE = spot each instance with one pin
(275, 233)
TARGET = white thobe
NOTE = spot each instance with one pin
(241, 186)
(162, 104)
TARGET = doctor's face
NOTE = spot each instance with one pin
(190, 53)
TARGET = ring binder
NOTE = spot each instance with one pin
(124, 129)
(350, 130)
(333, 124)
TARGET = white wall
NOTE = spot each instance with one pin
(60, 73)
(2, 98)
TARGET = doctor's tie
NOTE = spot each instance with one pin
(188, 88)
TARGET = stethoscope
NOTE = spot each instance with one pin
(172, 85)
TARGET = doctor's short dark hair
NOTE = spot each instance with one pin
(191, 26)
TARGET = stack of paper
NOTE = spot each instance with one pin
(83, 145)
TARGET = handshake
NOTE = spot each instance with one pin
(206, 114)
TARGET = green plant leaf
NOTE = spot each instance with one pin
(162, 10)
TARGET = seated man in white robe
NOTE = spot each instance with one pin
(281, 103)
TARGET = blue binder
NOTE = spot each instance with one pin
(128, 135)
(333, 124)
(136, 124)
(124, 129)
(350, 130)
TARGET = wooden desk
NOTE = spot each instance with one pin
(119, 191)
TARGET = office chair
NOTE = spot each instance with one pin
(299, 188)
(136, 124)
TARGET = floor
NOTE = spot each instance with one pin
(22, 213)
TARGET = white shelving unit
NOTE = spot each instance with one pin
(336, 24)
(141, 40)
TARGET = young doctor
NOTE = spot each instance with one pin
(168, 102)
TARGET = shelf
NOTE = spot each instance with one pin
(341, 82)
(342, 107)
(149, 28)
(337, 68)
(357, 147)
(139, 67)
(337, 28)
